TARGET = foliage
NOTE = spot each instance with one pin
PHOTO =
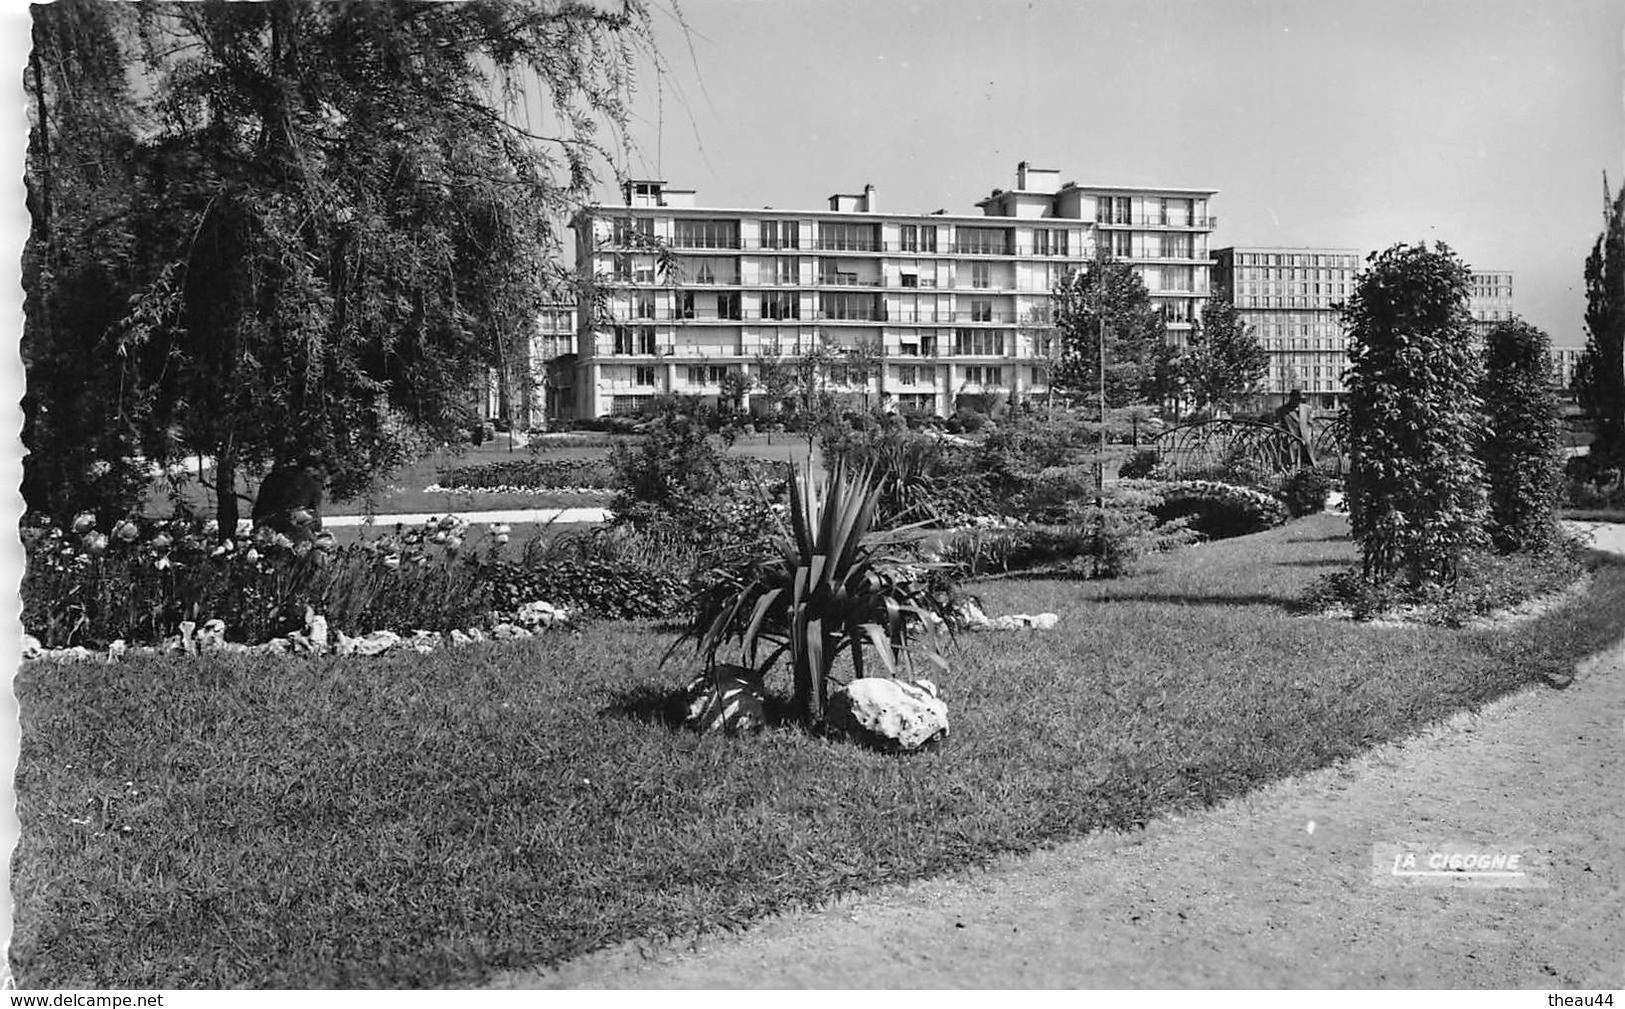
(1487, 582)
(1599, 379)
(538, 473)
(828, 585)
(593, 587)
(1415, 485)
(1107, 291)
(1144, 463)
(329, 823)
(1057, 494)
(316, 249)
(1223, 359)
(1218, 510)
(142, 580)
(1305, 490)
(919, 476)
(1521, 445)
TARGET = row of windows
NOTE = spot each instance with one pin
(709, 375)
(1316, 260)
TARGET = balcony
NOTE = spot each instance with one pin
(1194, 223)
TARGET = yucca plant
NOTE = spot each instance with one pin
(827, 583)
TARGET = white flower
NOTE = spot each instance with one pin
(83, 523)
(252, 555)
(244, 527)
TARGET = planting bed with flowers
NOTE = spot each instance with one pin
(139, 581)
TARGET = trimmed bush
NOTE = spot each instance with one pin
(1415, 483)
(1143, 464)
(1522, 458)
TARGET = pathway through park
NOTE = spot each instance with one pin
(1279, 888)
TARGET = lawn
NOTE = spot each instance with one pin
(404, 491)
(413, 821)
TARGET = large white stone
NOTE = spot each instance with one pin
(889, 714)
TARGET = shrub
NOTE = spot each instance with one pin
(611, 589)
(1143, 464)
(1415, 484)
(920, 477)
(1305, 491)
(1219, 510)
(1485, 582)
(1520, 449)
(1058, 494)
(827, 585)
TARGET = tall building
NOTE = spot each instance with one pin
(1489, 300)
(956, 306)
(1291, 298)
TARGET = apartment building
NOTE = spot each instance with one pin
(954, 305)
(1291, 298)
(1489, 300)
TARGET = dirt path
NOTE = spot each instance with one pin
(1249, 894)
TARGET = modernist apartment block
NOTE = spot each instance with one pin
(1291, 298)
(1489, 300)
(956, 305)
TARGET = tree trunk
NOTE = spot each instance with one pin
(225, 488)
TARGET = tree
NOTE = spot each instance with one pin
(1223, 359)
(777, 380)
(1600, 377)
(1109, 292)
(1415, 484)
(84, 443)
(863, 362)
(1522, 459)
(340, 221)
(736, 385)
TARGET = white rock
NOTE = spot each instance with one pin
(117, 650)
(316, 630)
(32, 649)
(889, 714)
(212, 634)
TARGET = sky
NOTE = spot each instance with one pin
(1485, 124)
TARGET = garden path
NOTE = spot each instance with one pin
(1278, 888)
(540, 516)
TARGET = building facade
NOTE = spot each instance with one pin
(1489, 300)
(1292, 300)
(944, 306)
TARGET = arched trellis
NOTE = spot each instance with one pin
(1216, 449)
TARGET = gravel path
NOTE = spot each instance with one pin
(1275, 889)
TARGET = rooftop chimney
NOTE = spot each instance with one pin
(869, 204)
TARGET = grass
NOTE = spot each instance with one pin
(416, 821)
(404, 491)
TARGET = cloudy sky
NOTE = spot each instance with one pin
(1486, 124)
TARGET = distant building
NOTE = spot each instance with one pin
(1291, 298)
(541, 388)
(958, 306)
(1489, 300)
(1564, 361)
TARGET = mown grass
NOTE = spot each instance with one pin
(421, 821)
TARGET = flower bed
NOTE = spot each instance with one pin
(139, 583)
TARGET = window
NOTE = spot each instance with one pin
(844, 237)
(928, 238)
(627, 406)
(623, 267)
(786, 270)
(979, 342)
(910, 235)
(706, 234)
(978, 375)
(981, 310)
(911, 280)
(840, 305)
(643, 376)
(981, 275)
(630, 231)
(706, 374)
(983, 241)
(643, 305)
(781, 234)
(1049, 242)
(908, 375)
(685, 304)
(1040, 376)
(781, 305)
